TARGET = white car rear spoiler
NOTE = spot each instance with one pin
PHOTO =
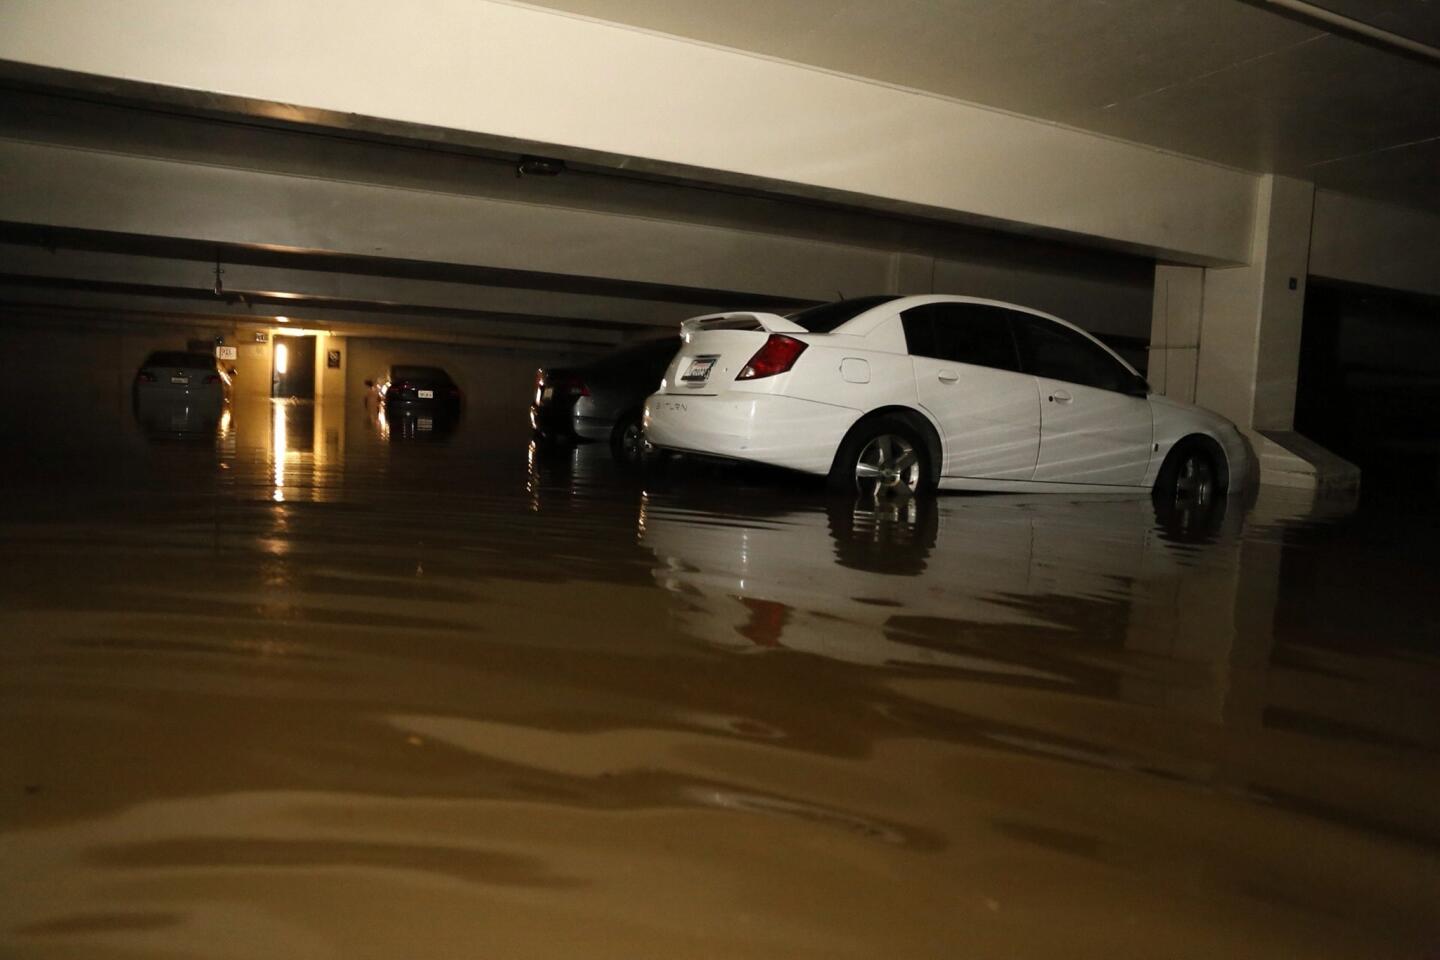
(741, 320)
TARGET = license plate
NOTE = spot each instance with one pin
(546, 394)
(179, 379)
(425, 394)
(699, 370)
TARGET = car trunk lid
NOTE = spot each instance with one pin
(715, 348)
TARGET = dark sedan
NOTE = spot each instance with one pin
(419, 390)
(602, 400)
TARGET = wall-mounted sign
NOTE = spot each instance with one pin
(261, 336)
(224, 353)
(332, 359)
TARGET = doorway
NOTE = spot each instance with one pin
(294, 368)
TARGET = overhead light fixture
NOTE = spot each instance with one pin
(539, 167)
(282, 319)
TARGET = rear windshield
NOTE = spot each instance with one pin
(827, 316)
(419, 373)
(174, 358)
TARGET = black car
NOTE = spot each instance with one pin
(413, 389)
(603, 399)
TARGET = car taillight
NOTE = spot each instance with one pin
(144, 377)
(778, 355)
(573, 385)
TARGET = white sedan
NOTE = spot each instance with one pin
(887, 394)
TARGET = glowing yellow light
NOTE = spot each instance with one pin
(282, 319)
(277, 442)
(282, 358)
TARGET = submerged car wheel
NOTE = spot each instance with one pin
(1191, 479)
(882, 458)
(627, 440)
(1195, 480)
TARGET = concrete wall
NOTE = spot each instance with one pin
(330, 382)
(54, 370)
(1360, 241)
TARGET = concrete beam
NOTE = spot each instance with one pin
(629, 98)
(90, 190)
(188, 309)
(540, 306)
(1361, 241)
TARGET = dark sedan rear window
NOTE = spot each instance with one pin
(827, 316)
(419, 373)
(174, 358)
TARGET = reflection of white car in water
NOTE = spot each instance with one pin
(884, 393)
(856, 584)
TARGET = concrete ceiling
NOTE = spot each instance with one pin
(1229, 81)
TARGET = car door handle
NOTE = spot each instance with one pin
(1060, 396)
(947, 376)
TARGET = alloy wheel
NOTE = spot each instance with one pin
(887, 466)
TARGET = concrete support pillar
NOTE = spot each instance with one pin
(1228, 338)
(1175, 331)
(1249, 352)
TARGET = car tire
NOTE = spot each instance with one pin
(627, 440)
(882, 457)
(1190, 479)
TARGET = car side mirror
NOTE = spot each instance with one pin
(233, 371)
(369, 384)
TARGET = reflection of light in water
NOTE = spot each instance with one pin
(282, 358)
(532, 476)
(277, 444)
(383, 421)
(225, 423)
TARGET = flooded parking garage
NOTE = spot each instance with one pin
(311, 683)
(303, 680)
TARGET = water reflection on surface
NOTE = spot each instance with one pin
(303, 690)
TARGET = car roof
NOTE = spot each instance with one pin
(863, 324)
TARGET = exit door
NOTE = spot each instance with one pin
(294, 372)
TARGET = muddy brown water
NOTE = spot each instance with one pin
(317, 686)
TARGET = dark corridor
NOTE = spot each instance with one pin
(1370, 383)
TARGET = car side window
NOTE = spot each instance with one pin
(1059, 353)
(963, 333)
